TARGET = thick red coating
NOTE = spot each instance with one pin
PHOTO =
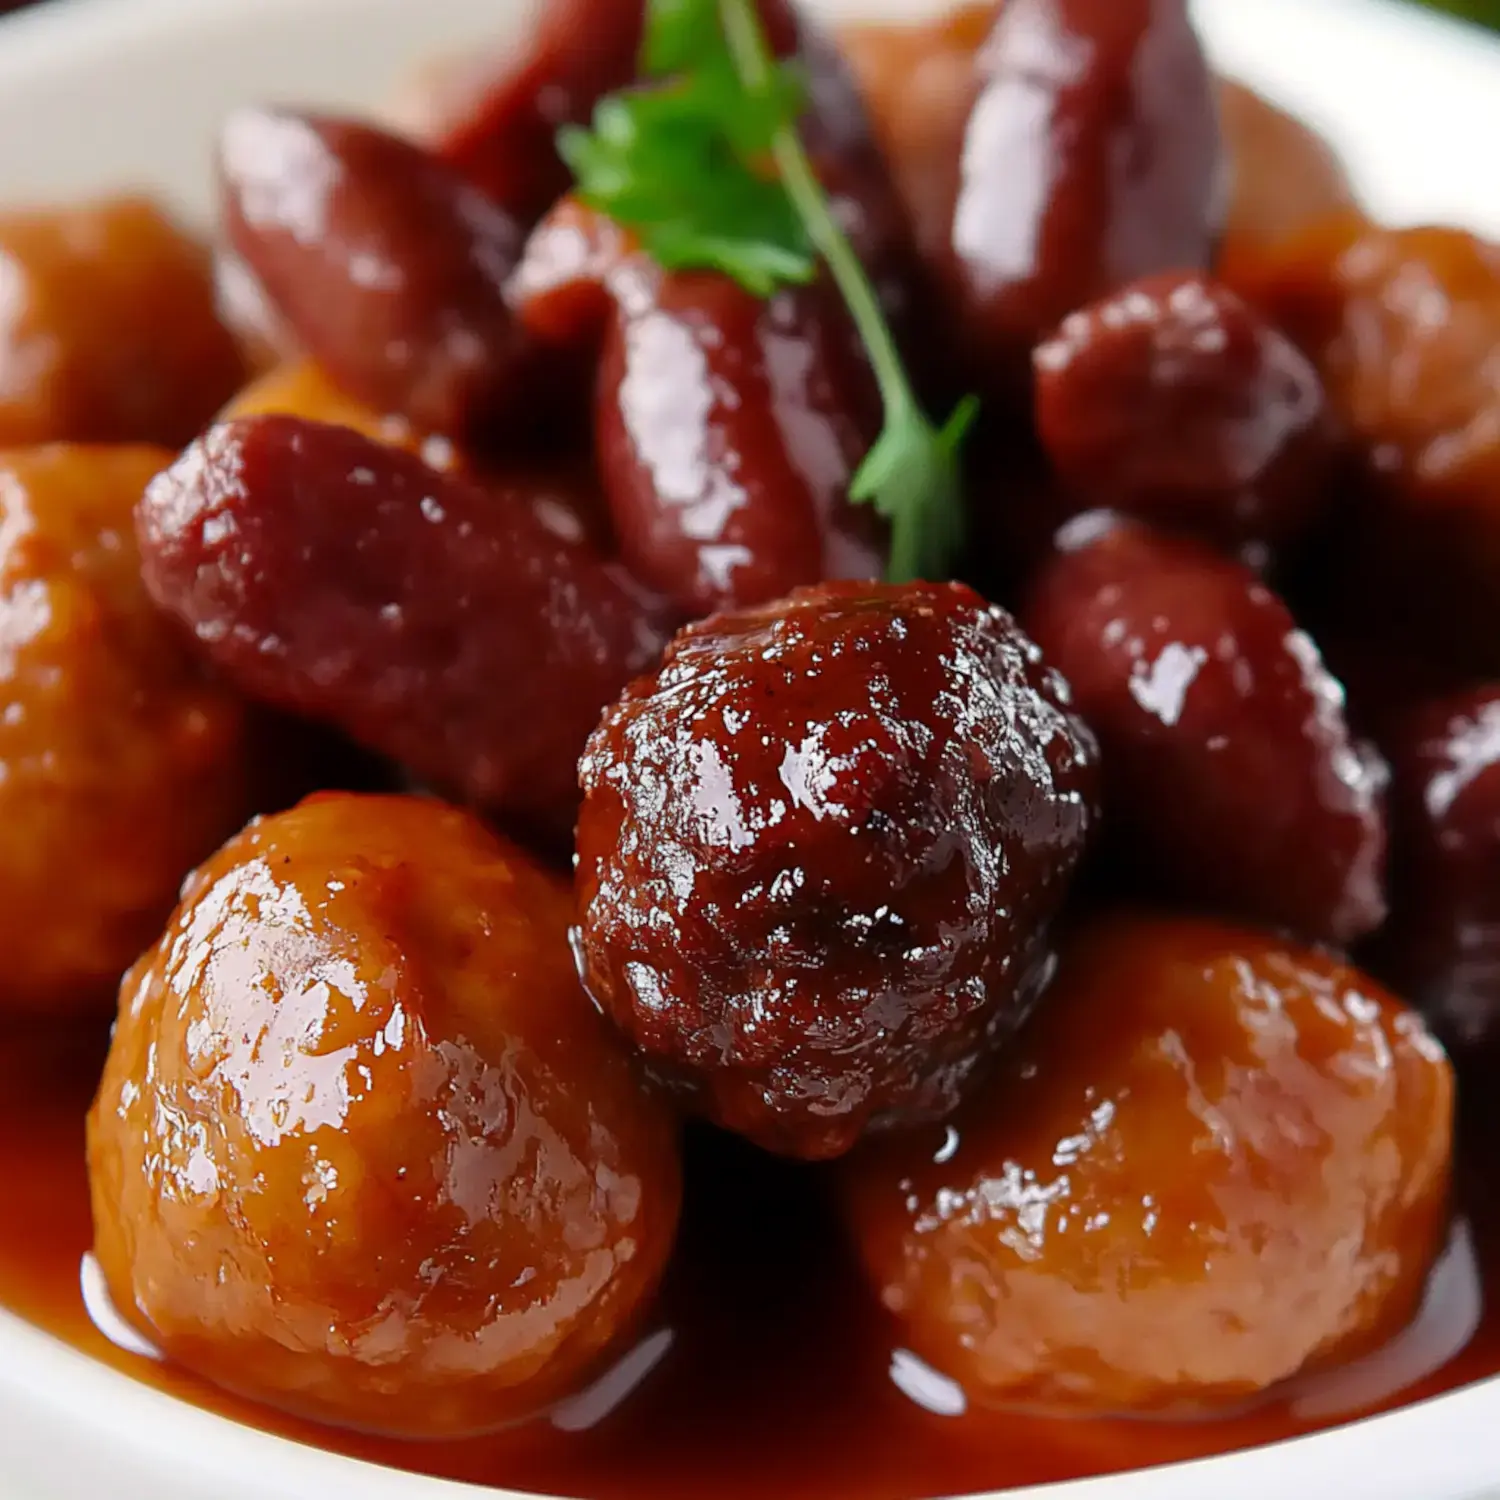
(1172, 400)
(363, 1150)
(819, 851)
(1092, 157)
(1213, 1161)
(388, 266)
(440, 623)
(1441, 947)
(1232, 779)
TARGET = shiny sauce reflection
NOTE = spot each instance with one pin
(768, 1371)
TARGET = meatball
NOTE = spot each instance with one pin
(1404, 325)
(363, 1150)
(301, 388)
(819, 851)
(1284, 175)
(121, 766)
(1213, 1161)
(110, 333)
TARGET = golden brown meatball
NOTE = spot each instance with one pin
(120, 765)
(1284, 175)
(110, 333)
(1216, 1160)
(919, 81)
(301, 388)
(363, 1150)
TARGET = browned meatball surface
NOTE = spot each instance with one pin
(110, 331)
(363, 1150)
(121, 766)
(819, 851)
(1214, 1160)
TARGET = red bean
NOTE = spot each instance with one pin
(1092, 157)
(1443, 942)
(436, 622)
(728, 431)
(1231, 777)
(580, 50)
(387, 265)
(1172, 400)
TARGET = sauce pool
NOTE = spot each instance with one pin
(769, 1368)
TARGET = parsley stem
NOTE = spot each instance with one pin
(757, 69)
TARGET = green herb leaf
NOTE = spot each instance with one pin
(685, 165)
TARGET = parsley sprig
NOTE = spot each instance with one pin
(708, 167)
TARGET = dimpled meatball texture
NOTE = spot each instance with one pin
(121, 765)
(1214, 1161)
(819, 851)
(363, 1150)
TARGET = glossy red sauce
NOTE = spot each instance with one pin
(777, 1379)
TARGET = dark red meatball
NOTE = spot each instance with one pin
(385, 263)
(1170, 399)
(1092, 157)
(819, 851)
(1232, 777)
(439, 622)
(1442, 947)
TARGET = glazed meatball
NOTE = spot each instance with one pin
(819, 851)
(1284, 175)
(1213, 1161)
(302, 388)
(110, 333)
(1404, 325)
(121, 766)
(363, 1150)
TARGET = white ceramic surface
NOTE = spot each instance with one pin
(97, 94)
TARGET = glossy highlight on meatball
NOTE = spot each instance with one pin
(121, 764)
(1213, 1161)
(363, 1150)
(819, 851)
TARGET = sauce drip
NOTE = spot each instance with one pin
(769, 1370)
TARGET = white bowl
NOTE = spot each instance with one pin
(99, 94)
